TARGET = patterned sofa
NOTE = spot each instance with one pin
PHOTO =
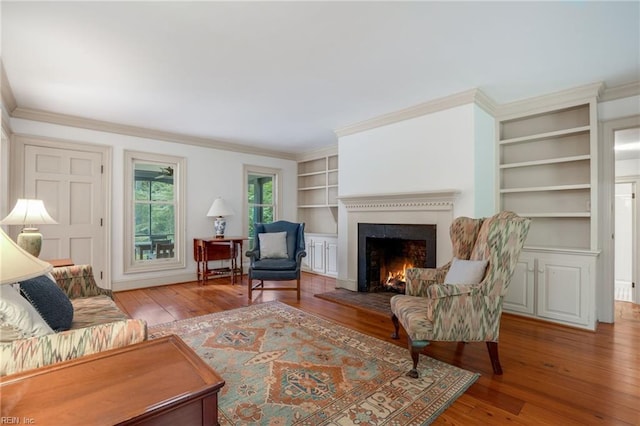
(98, 325)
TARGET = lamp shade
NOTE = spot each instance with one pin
(28, 212)
(220, 208)
(16, 264)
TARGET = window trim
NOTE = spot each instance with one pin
(277, 176)
(131, 265)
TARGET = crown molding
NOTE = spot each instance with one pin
(564, 98)
(441, 104)
(104, 126)
(318, 153)
(8, 100)
(619, 92)
(485, 102)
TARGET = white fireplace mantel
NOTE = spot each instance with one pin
(429, 208)
(431, 200)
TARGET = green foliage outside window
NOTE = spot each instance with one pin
(154, 205)
(260, 199)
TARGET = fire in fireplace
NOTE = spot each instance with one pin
(385, 251)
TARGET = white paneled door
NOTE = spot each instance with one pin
(71, 184)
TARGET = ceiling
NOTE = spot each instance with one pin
(284, 75)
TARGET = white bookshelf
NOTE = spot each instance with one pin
(318, 193)
(548, 171)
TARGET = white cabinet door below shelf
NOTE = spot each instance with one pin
(564, 290)
(317, 259)
(520, 295)
(332, 257)
(306, 261)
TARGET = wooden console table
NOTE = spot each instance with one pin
(57, 263)
(206, 250)
(156, 382)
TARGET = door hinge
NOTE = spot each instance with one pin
(100, 221)
(633, 195)
(101, 169)
(633, 285)
(101, 275)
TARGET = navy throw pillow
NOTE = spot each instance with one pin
(49, 300)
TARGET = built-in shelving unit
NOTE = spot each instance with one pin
(318, 192)
(318, 182)
(546, 169)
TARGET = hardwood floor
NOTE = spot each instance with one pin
(553, 375)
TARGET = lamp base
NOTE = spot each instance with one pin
(30, 240)
(219, 225)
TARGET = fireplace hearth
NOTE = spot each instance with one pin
(385, 251)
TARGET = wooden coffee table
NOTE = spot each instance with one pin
(159, 382)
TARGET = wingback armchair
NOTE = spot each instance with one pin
(450, 303)
(277, 255)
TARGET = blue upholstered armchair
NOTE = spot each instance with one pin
(277, 255)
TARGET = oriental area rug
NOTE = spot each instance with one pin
(283, 366)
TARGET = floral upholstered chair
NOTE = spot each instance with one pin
(462, 300)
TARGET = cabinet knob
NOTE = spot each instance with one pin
(541, 270)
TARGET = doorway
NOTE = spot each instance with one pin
(72, 180)
(627, 178)
(624, 241)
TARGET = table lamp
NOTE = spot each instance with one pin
(29, 212)
(16, 264)
(219, 209)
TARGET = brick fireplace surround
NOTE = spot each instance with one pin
(428, 208)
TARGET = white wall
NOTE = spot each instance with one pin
(451, 149)
(209, 173)
(4, 175)
(485, 150)
(628, 168)
(618, 108)
(431, 152)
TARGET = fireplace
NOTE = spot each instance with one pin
(423, 208)
(385, 251)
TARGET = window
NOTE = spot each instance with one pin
(262, 198)
(154, 210)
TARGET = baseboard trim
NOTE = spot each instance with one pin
(134, 284)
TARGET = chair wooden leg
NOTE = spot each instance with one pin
(298, 288)
(495, 359)
(415, 356)
(250, 288)
(396, 326)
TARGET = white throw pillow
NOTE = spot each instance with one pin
(466, 271)
(273, 245)
(18, 319)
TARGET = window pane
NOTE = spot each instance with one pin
(154, 212)
(251, 192)
(267, 214)
(154, 223)
(162, 220)
(141, 190)
(142, 222)
(162, 191)
(261, 196)
(267, 192)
